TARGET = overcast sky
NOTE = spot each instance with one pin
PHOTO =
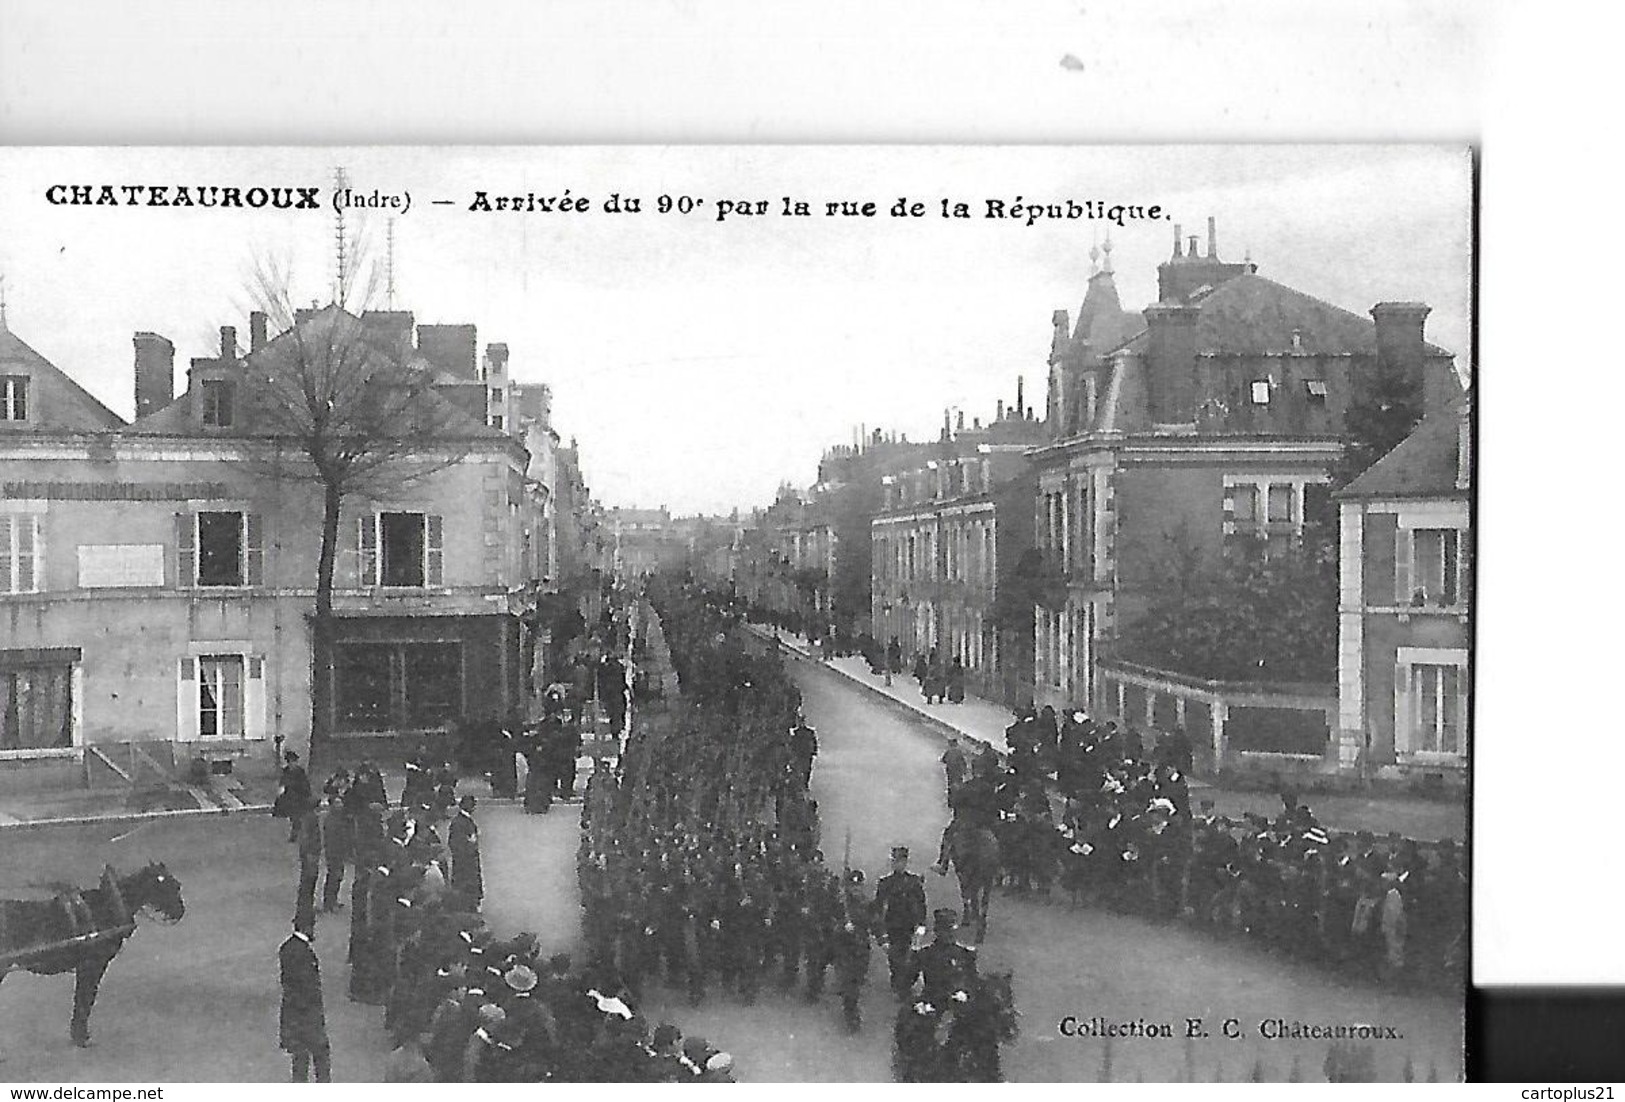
(701, 363)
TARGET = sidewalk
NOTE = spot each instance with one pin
(976, 719)
(984, 722)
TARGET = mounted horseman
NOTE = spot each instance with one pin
(81, 931)
(969, 844)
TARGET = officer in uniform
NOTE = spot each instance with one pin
(900, 901)
(946, 968)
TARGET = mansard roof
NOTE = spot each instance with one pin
(1250, 315)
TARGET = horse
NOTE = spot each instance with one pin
(989, 1020)
(83, 931)
(973, 851)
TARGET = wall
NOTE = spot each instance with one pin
(133, 638)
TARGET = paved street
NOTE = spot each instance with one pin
(198, 1001)
(877, 776)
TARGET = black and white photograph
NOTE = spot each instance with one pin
(761, 614)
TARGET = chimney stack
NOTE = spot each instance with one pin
(228, 343)
(154, 373)
(256, 330)
(1401, 350)
(1000, 414)
(1020, 402)
(1179, 238)
(1212, 238)
(1171, 362)
(959, 421)
(1193, 253)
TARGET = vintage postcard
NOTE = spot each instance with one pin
(781, 614)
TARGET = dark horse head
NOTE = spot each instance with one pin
(154, 888)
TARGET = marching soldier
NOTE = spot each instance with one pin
(463, 838)
(945, 968)
(900, 900)
(852, 949)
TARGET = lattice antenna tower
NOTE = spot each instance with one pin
(341, 245)
(389, 263)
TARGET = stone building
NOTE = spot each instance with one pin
(1215, 415)
(166, 608)
(949, 535)
(1406, 594)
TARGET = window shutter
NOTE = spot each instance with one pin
(186, 700)
(185, 550)
(39, 554)
(434, 555)
(367, 542)
(254, 697)
(1404, 722)
(8, 580)
(1403, 550)
(253, 549)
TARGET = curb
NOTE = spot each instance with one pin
(942, 727)
(130, 817)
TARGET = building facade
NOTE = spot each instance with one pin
(1217, 415)
(950, 536)
(1404, 610)
(173, 563)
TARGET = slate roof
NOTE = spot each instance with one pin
(1422, 465)
(57, 403)
(1249, 314)
(175, 419)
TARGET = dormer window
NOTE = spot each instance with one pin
(13, 397)
(1261, 392)
(1315, 390)
(217, 403)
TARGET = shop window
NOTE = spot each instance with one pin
(36, 707)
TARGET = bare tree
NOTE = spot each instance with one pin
(347, 411)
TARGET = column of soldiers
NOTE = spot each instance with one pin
(700, 864)
(1109, 815)
(460, 1004)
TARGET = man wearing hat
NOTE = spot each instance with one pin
(947, 968)
(852, 949)
(900, 901)
(463, 839)
(302, 1023)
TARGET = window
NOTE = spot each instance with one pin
(496, 396)
(1244, 504)
(36, 705)
(13, 397)
(397, 686)
(219, 549)
(220, 710)
(496, 422)
(1436, 706)
(1315, 391)
(1260, 391)
(401, 549)
(1280, 503)
(217, 404)
(22, 555)
(1435, 566)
